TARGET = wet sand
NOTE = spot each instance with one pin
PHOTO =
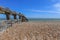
(32, 31)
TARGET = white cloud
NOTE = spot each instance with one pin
(57, 6)
(55, 0)
(45, 11)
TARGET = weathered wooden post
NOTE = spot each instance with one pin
(24, 19)
(19, 17)
(7, 16)
(14, 16)
(7, 13)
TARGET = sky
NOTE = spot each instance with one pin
(34, 8)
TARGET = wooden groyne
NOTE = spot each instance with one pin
(8, 22)
(9, 12)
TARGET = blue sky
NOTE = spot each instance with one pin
(34, 8)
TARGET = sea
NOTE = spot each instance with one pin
(44, 19)
(38, 19)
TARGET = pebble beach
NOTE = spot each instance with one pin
(32, 31)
